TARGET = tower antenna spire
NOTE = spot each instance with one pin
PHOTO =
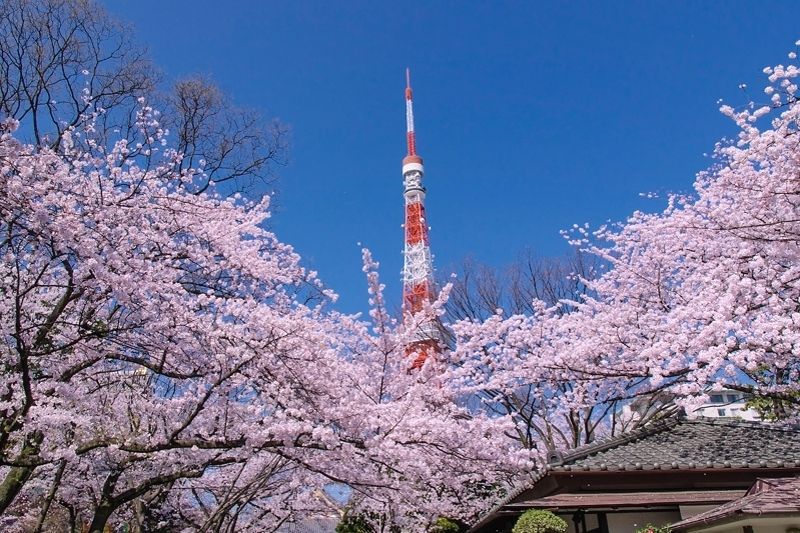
(418, 282)
(410, 138)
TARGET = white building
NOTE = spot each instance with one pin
(726, 403)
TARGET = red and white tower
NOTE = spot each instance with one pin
(418, 282)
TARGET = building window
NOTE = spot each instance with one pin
(717, 398)
(721, 412)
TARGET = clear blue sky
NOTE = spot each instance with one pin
(530, 116)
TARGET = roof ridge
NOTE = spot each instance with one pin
(739, 422)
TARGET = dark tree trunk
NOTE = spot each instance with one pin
(17, 476)
(101, 516)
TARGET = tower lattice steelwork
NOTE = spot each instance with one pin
(418, 282)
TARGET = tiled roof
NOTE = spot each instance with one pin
(679, 443)
(688, 444)
(768, 496)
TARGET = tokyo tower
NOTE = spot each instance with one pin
(418, 282)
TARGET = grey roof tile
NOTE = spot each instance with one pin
(687, 444)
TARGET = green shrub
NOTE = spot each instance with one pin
(536, 521)
(444, 525)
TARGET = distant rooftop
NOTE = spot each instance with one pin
(768, 497)
(322, 524)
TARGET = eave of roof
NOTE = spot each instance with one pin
(631, 499)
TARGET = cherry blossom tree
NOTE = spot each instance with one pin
(702, 295)
(99, 253)
(167, 361)
(541, 401)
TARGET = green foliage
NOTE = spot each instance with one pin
(537, 521)
(354, 524)
(774, 409)
(366, 522)
(774, 406)
(650, 528)
(444, 525)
